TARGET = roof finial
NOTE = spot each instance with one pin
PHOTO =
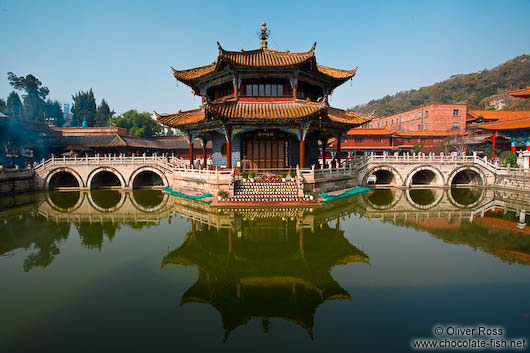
(263, 35)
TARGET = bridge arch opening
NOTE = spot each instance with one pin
(382, 177)
(105, 180)
(425, 177)
(467, 177)
(147, 180)
(63, 179)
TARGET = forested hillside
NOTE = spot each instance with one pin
(472, 88)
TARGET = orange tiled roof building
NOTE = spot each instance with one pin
(270, 106)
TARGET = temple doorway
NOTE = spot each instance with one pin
(265, 149)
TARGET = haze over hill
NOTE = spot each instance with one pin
(472, 88)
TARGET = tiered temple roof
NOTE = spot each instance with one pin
(269, 111)
(271, 62)
(264, 58)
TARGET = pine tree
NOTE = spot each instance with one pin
(53, 110)
(104, 114)
(36, 93)
(84, 108)
(14, 106)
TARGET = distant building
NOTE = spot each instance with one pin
(378, 141)
(65, 107)
(434, 117)
(116, 140)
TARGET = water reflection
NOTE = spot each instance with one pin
(466, 196)
(423, 197)
(258, 264)
(274, 270)
(64, 200)
(486, 219)
(381, 197)
(39, 237)
(106, 200)
(147, 200)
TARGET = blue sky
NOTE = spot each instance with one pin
(124, 49)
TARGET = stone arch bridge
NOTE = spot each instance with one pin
(417, 170)
(107, 171)
(426, 170)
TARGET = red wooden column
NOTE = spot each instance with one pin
(229, 148)
(191, 149)
(302, 149)
(493, 149)
(337, 156)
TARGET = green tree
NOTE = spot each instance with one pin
(52, 109)
(417, 148)
(3, 107)
(84, 108)
(36, 93)
(103, 114)
(139, 124)
(14, 105)
(509, 159)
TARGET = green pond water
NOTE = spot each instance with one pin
(110, 271)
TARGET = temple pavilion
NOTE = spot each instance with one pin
(266, 105)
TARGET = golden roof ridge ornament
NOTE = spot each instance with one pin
(263, 35)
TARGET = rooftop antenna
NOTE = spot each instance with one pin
(263, 35)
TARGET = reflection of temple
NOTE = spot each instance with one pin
(267, 270)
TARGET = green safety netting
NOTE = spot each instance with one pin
(183, 195)
(355, 191)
